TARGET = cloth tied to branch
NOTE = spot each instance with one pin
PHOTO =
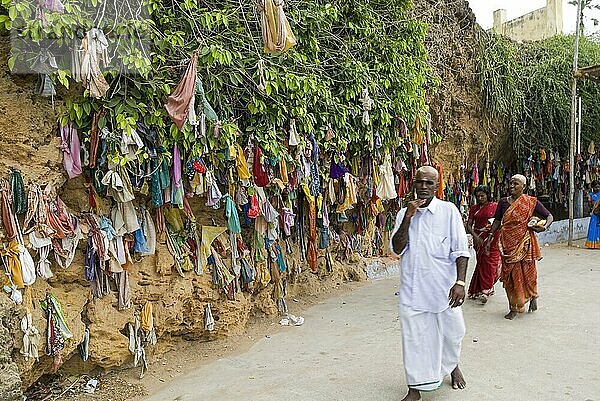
(71, 150)
(86, 62)
(276, 31)
(178, 103)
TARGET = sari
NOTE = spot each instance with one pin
(485, 274)
(593, 235)
(520, 251)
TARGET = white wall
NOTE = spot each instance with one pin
(559, 231)
(484, 9)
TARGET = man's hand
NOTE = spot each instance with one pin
(457, 296)
(411, 208)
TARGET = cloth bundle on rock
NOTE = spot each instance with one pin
(57, 330)
(147, 322)
(209, 234)
(142, 332)
(118, 184)
(287, 220)
(367, 105)
(213, 198)
(18, 191)
(247, 272)
(271, 216)
(209, 320)
(312, 229)
(17, 260)
(149, 232)
(222, 277)
(137, 339)
(37, 214)
(160, 179)
(233, 221)
(351, 197)
(254, 210)
(43, 245)
(31, 338)
(315, 155)
(177, 235)
(95, 137)
(13, 275)
(276, 31)
(27, 263)
(8, 219)
(43, 6)
(93, 271)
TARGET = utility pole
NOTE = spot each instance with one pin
(574, 121)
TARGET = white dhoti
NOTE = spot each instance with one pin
(431, 345)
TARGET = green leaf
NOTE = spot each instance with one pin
(62, 78)
(11, 62)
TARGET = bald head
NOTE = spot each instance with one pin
(516, 185)
(430, 171)
(520, 178)
(426, 182)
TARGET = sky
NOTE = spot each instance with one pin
(484, 10)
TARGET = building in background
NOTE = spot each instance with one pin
(536, 25)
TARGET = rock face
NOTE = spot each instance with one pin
(29, 142)
(456, 108)
(27, 123)
(10, 381)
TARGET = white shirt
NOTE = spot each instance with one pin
(436, 238)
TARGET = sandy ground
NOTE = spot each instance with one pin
(349, 348)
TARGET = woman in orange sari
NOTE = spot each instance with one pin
(518, 244)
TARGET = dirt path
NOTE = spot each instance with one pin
(187, 356)
(349, 348)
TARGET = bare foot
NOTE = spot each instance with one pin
(483, 299)
(533, 305)
(413, 395)
(511, 315)
(458, 381)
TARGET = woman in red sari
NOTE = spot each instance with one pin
(488, 264)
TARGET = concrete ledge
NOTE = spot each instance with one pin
(559, 231)
(381, 268)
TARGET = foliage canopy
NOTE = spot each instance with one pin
(343, 47)
(529, 87)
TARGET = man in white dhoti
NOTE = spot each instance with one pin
(430, 236)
